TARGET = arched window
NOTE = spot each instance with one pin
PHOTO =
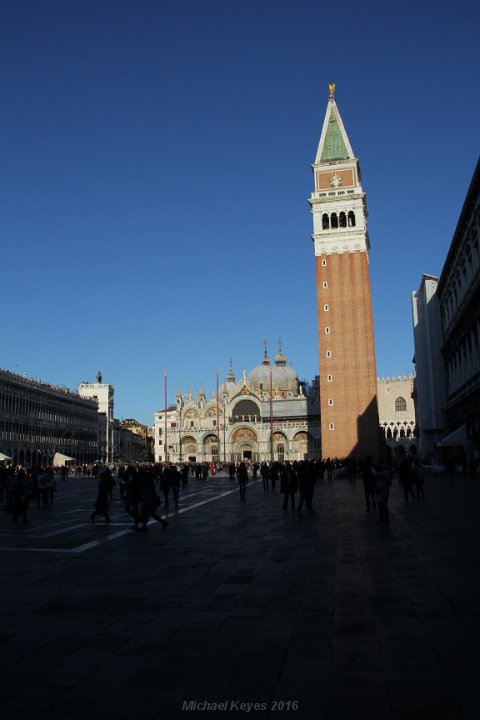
(245, 409)
(343, 220)
(334, 220)
(325, 221)
(400, 404)
(351, 219)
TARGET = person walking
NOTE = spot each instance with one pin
(383, 482)
(184, 474)
(132, 494)
(418, 473)
(101, 503)
(306, 484)
(242, 480)
(174, 479)
(405, 477)
(265, 473)
(22, 494)
(274, 474)
(288, 485)
(50, 488)
(165, 485)
(40, 486)
(369, 483)
(150, 500)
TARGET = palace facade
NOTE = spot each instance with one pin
(38, 420)
(396, 410)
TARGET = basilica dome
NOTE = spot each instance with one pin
(284, 378)
(229, 387)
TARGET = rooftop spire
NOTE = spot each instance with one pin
(334, 143)
(231, 375)
(280, 358)
(265, 359)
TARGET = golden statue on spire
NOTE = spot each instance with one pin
(331, 87)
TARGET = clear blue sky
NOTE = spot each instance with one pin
(155, 170)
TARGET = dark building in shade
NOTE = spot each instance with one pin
(38, 420)
(458, 292)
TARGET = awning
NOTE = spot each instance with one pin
(457, 438)
(4, 457)
(61, 459)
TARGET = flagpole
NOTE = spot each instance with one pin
(271, 415)
(218, 420)
(165, 393)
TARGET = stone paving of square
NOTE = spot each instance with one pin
(325, 615)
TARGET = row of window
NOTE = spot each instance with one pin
(464, 361)
(338, 220)
(467, 267)
(337, 192)
(56, 411)
(396, 433)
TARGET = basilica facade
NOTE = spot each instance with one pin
(265, 415)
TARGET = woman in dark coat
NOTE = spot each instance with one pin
(21, 496)
(101, 503)
(289, 485)
(405, 476)
(150, 500)
(242, 480)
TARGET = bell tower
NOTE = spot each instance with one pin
(348, 376)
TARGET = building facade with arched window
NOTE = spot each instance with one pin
(268, 414)
(38, 420)
(396, 409)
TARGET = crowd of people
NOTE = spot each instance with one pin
(145, 487)
(18, 486)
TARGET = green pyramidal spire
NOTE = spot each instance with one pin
(334, 144)
(334, 147)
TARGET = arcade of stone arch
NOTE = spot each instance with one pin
(266, 415)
